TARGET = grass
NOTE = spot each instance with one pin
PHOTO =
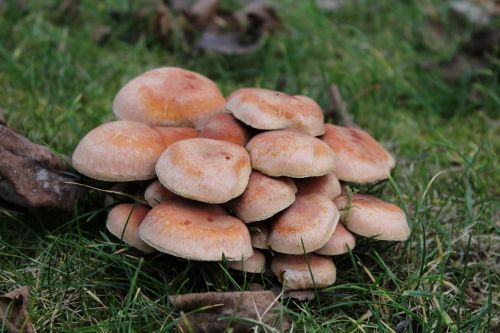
(56, 84)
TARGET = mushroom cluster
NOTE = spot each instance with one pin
(231, 178)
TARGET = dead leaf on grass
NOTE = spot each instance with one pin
(14, 315)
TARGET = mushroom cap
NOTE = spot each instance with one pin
(197, 231)
(119, 151)
(263, 197)
(226, 128)
(327, 185)
(156, 193)
(294, 271)
(305, 226)
(360, 158)
(169, 96)
(253, 264)
(124, 220)
(341, 242)
(171, 135)
(272, 110)
(290, 153)
(259, 234)
(205, 170)
(371, 217)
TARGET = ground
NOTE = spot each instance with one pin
(57, 83)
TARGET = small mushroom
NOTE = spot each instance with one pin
(156, 193)
(119, 151)
(273, 110)
(124, 220)
(206, 170)
(342, 241)
(264, 197)
(305, 226)
(169, 96)
(369, 216)
(298, 272)
(253, 264)
(226, 128)
(360, 158)
(171, 135)
(290, 153)
(327, 185)
(197, 231)
(259, 234)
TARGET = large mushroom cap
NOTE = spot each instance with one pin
(253, 264)
(119, 151)
(226, 128)
(341, 242)
(169, 96)
(205, 170)
(156, 193)
(171, 135)
(272, 110)
(259, 234)
(360, 158)
(327, 185)
(294, 271)
(305, 226)
(196, 231)
(371, 217)
(263, 197)
(124, 220)
(290, 153)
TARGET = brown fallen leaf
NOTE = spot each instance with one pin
(202, 12)
(14, 315)
(32, 176)
(217, 311)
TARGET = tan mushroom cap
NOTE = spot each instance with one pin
(263, 197)
(205, 170)
(156, 193)
(119, 151)
(169, 96)
(371, 217)
(124, 220)
(171, 135)
(341, 242)
(327, 185)
(259, 234)
(305, 226)
(197, 231)
(253, 264)
(226, 128)
(294, 271)
(360, 158)
(272, 110)
(290, 153)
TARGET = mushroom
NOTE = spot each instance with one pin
(169, 96)
(171, 135)
(369, 216)
(124, 220)
(259, 234)
(119, 151)
(263, 197)
(360, 158)
(206, 170)
(290, 153)
(301, 272)
(253, 264)
(156, 193)
(226, 128)
(327, 185)
(305, 226)
(272, 110)
(342, 241)
(197, 231)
